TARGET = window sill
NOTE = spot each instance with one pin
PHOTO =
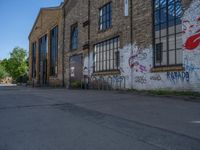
(168, 68)
(102, 31)
(104, 73)
(53, 77)
(73, 49)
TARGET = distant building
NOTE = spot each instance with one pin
(149, 44)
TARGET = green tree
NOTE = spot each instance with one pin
(16, 65)
(3, 72)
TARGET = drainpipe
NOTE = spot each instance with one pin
(63, 57)
(89, 3)
(131, 36)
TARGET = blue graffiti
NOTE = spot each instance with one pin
(178, 76)
(190, 67)
(117, 78)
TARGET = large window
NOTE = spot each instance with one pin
(167, 32)
(54, 52)
(106, 55)
(34, 60)
(74, 37)
(105, 20)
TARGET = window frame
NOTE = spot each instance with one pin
(167, 36)
(74, 26)
(54, 68)
(34, 51)
(108, 17)
(106, 55)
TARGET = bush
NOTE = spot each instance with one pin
(22, 79)
(76, 84)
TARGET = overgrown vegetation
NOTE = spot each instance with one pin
(16, 66)
(76, 84)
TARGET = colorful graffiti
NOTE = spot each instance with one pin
(192, 41)
(178, 76)
(134, 61)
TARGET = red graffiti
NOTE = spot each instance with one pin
(185, 21)
(191, 26)
(192, 42)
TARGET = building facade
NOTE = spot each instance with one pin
(128, 44)
(45, 48)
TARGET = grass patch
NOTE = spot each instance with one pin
(168, 93)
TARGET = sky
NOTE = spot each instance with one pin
(16, 20)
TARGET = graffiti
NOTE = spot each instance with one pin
(178, 76)
(132, 61)
(108, 82)
(117, 78)
(142, 69)
(190, 67)
(121, 69)
(135, 59)
(139, 56)
(192, 41)
(135, 65)
(141, 79)
(156, 77)
(142, 56)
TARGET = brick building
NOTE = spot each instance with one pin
(45, 44)
(150, 44)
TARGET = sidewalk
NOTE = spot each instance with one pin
(8, 85)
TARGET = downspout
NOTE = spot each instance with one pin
(89, 42)
(63, 57)
(131, 36)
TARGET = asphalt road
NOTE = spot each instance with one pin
(60, 119)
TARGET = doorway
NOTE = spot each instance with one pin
(76, 71)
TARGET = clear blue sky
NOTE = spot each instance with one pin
(16, 20)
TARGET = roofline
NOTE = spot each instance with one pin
(41, 9)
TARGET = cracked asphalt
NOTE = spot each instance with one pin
(60, 119)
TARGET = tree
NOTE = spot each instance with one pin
(16, 65)
(3, 72)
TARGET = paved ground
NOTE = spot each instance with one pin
(60, 119)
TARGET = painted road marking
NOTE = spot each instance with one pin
(196, 122)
